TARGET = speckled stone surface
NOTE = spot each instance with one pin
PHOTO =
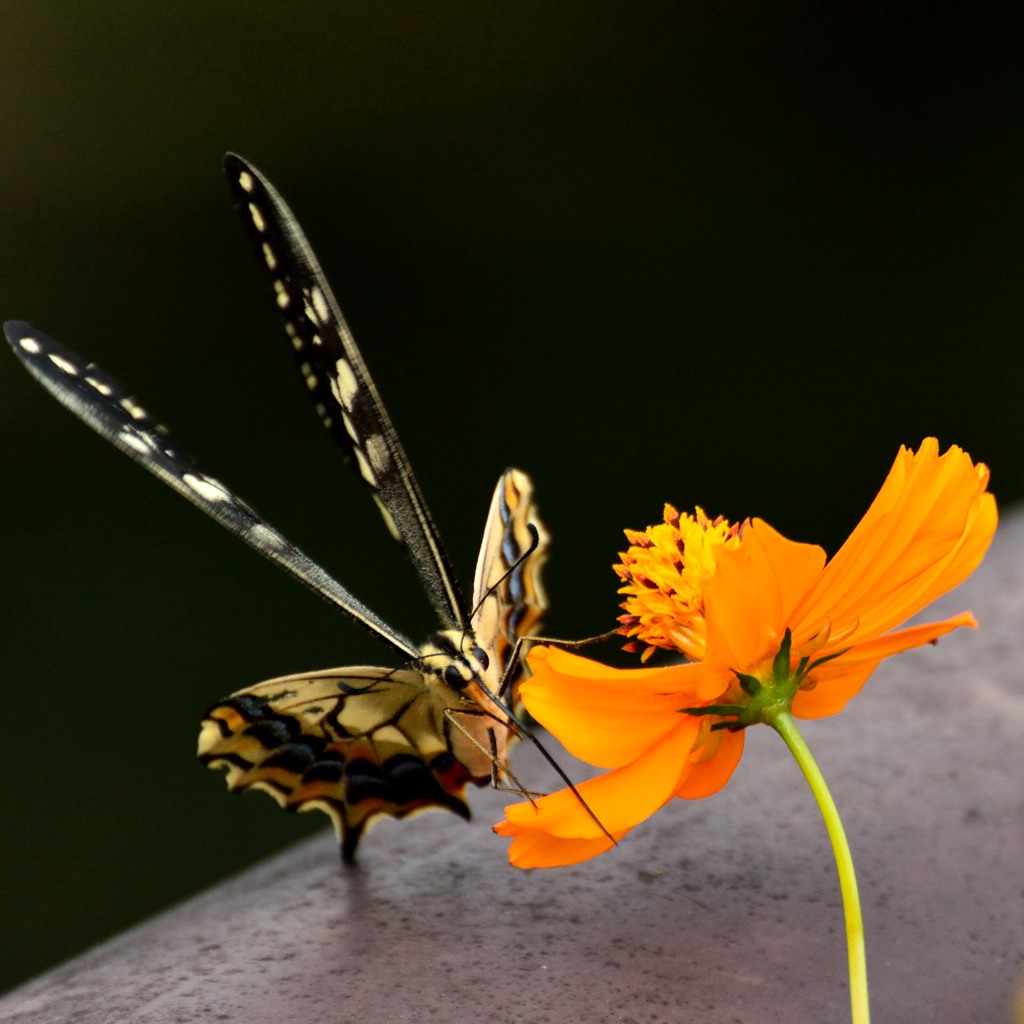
(716, 912)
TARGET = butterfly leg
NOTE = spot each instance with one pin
(511, 672)
(513, 667)
(499, 767)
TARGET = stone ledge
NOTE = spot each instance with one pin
(714, 912)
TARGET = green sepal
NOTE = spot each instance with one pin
(712, 709)
(780, 666)
(750, 685)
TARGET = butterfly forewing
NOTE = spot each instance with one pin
(101, 402)
(343, 391)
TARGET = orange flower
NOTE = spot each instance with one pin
(767, 624)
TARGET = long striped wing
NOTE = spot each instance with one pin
(351, 742)
(343, 391)
(102, 403)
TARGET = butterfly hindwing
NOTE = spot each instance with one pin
(351, 742)
(508, 595)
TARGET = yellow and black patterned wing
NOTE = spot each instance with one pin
(351, 742)
(508, 594)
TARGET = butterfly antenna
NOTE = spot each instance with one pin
(534, 544)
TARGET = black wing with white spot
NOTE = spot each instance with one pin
(101, 402)
(343, 391)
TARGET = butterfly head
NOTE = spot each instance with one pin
(455, 657)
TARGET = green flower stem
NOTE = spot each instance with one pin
(783, 724)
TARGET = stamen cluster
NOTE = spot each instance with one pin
(664, 572)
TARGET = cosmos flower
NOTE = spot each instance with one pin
(766, 624)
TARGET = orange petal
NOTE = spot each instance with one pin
(924, 533)
(749, 600)
(949, 569)
(842, 678)
(542, 850)
(620, 799)
(794, 565)
(710, 775)
(830, 696)
(605, 716)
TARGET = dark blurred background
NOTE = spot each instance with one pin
(732, 255)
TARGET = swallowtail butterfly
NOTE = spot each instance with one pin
(362, 741)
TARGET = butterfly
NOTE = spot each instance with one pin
(364, 741)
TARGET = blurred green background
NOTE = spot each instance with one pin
(722, 254)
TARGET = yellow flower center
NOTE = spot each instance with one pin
(664, 572)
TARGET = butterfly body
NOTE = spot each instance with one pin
(358, 742)
(362, 741)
